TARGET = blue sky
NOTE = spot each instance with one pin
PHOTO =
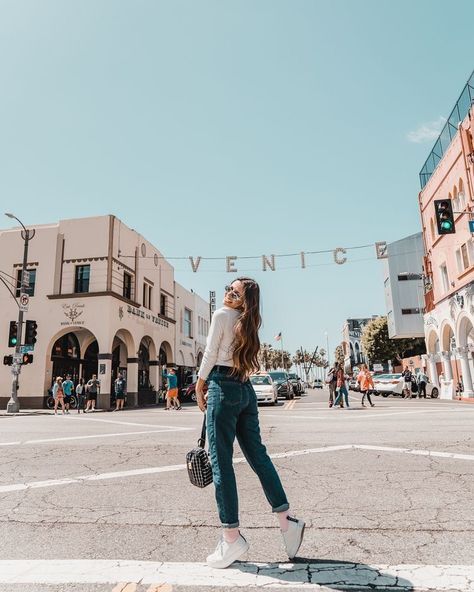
(235, 128)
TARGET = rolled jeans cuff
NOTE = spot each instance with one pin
(233, 525)
(282, 508)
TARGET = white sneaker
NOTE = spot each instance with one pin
(226, 553)
(293, 537)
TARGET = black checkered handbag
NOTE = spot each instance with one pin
(198, 463)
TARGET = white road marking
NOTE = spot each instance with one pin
(366, 414)
(9, 443)
(244, 575)
(132, 423)
(170, 468)
(105, 435)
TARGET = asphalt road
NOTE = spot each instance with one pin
(101, 502)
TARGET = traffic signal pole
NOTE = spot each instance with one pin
(13, 405)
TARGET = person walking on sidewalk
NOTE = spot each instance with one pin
(172, 400)
(230, 357)
(120, 388)
(331, 380)
(81, 395)
(407, 378)
(92, 388)
(68, 387)
(422, 380)
(366, 382)
(341, 388)
(58, 395)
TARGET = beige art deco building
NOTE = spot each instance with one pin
(105, 301)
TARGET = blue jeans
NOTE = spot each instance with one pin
(342, 391)
(232, 411)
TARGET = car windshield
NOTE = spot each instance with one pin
(293, 376)
(260, 380)
(278, 375)
(387, 376)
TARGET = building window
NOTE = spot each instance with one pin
(82, 277)
(408, 311)
(127, 285)
(465, 258)
(404, 277)
(30, 290)
(462, 257)
(163, 305)
(147, 294)
(444, 277)
(432, 227)
(188, 326)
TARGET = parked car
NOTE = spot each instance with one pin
(188, 393)
(284, 386)
(297, 383)
(317, 383)
(392, 384)
(265, 389)
(353, 384)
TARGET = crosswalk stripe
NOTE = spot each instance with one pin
(312, 576)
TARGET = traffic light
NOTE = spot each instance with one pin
(7, 360)
(31, 332)
(27, 359)
(13, 334)
(444, 216)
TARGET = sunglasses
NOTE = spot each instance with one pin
(232, 293)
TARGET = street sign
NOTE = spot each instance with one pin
(24, 349)
(25, 278)
(378, 367)
(24, 301)
(381, 250)
(17, 358)
(471, 225)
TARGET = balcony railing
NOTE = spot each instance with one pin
(461, 109)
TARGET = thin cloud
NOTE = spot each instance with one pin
(427, 132)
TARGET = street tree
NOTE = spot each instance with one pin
(339, 355)
(379, 348)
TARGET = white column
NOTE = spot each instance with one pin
(132, 382)
(446, 357)
(105, 377)
(466, 372)
(433, 372)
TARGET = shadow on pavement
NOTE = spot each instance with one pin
(332, 575)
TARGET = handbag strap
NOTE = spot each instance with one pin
(202, 439)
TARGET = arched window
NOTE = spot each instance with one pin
(461, 196)
(455, 199)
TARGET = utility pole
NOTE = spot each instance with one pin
(13, 405)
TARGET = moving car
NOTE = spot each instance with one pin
(392, 384)
(282, 381)
(353, 384)
(265, 388)
(188, 393)
(317, 383)
(296, 382)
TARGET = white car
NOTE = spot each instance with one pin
(317, 383)
(265, 388)
(392, 384)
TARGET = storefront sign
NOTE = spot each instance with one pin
(147, 316)
(73, 312)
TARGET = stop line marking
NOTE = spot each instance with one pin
(171, 468)
(336, 575)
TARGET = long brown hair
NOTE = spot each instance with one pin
(246, 342)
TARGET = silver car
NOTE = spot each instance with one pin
(265, 388)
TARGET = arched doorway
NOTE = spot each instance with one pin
(147, 367)
(90, 361)
(66, 357)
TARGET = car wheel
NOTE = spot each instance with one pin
(434, 393)
(193, 397)
(385, 395)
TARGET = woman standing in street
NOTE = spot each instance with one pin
(229, 359)
(366, 382)
(58, 395)
(341, 388)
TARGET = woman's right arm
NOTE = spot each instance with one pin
(209, 358)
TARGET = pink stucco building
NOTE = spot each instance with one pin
(449, 259)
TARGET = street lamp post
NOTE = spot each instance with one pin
(13, 405)
(327, 347)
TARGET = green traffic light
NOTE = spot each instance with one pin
(446, 225)
(14, 340)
